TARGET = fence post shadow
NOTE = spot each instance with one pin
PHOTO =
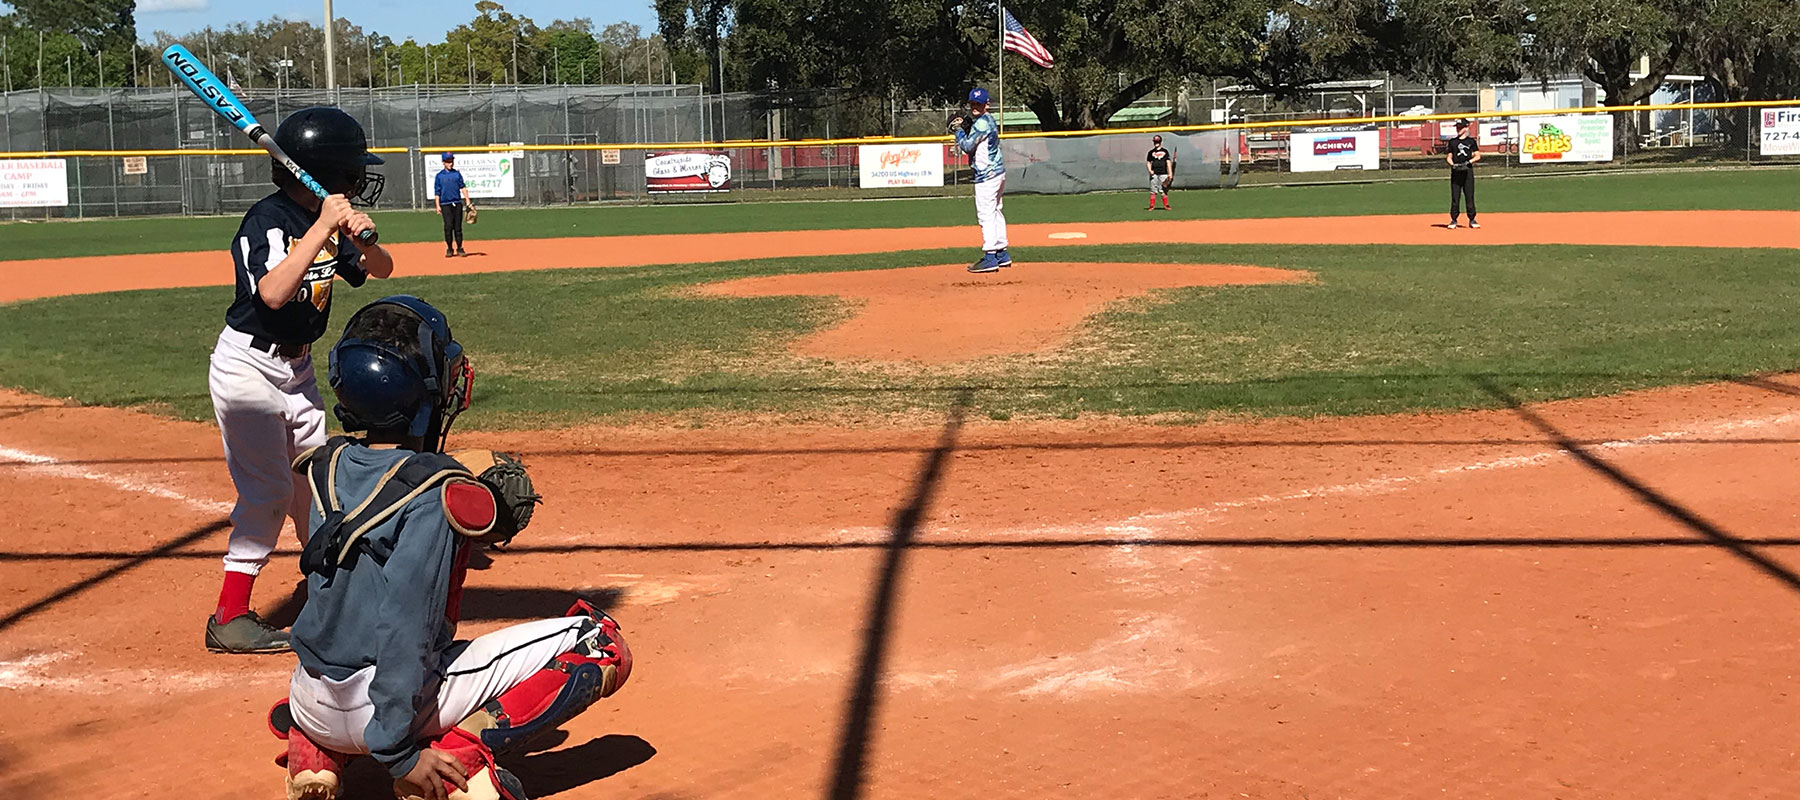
(850, 763)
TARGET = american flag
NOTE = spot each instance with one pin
(1021, 41)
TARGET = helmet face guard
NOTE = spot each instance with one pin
(379, 387)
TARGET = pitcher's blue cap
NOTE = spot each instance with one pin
(449, 156)
(978, 95)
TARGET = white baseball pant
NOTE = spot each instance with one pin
(989, 200)
(269, 410)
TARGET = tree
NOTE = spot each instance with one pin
(95, 24)
(574, 53)
(698, 26)
(491, 39)
(1604, 40)
(1479, 40)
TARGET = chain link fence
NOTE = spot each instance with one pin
(419, 120)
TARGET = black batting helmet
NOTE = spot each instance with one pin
(397, 368)
(330, 145)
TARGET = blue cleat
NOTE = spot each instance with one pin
(989, 263)
(1003, 258)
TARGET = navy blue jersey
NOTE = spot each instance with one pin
(269, 229)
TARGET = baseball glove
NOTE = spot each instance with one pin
(958, 123)
(469, 214)
(505, 476)
(1168, 180)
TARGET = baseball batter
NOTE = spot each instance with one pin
(979, 136)
(394, 520)
(1465, 153)
(289, 251)
(1161, 163)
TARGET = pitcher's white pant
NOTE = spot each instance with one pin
(335, 713)
(989, 198)
(269, 410)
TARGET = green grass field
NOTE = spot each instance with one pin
(1732, 189)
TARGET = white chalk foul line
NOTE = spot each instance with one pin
(54, 467)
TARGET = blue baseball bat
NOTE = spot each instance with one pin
(219, 97)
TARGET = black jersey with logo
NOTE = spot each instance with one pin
(270, 228)
(1159, 160)
(1462, 152)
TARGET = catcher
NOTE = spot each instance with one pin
(393, 522)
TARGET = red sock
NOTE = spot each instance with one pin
(234, 597)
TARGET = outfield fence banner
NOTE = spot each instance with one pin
(1780, 132)
(685, 172)
(1566, 139)
(1327, 151)
(487, 175)
(34, 183)
(887, 166)
(1114, 162)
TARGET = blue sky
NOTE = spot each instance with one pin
(425, 20)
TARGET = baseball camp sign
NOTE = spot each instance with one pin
(1566, 139)
(34, 183)
(886, 166)
(687, 172)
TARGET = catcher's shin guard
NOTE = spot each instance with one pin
(313, 772)
(487, 780)
(596, 668)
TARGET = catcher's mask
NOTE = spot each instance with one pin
(398, 368)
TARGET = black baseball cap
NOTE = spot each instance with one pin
(1462, 123)
(1157, 139)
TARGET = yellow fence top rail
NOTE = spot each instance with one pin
(746, 144)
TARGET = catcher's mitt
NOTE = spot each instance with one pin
(505, 476)
(469, 214)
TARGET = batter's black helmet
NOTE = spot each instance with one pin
(329, 144)
(397, 368)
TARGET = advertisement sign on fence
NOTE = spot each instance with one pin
(885, 166)
(1324, 151)
(1566, 139)
(486, 174)
(1781, 132)
(137, 165)
(672, 173)
(34, 183)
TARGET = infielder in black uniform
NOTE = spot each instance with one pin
(1464, 154)
(1161, 163)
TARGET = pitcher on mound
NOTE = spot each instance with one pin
(979, 136)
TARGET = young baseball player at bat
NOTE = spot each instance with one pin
(979, 136)
(393, 522)
(289, 251)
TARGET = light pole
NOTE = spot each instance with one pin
(330, 50)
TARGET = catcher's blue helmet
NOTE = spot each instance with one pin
(418, 383)
(978, 95)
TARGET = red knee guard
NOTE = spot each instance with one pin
(313, 772)
(567, 686)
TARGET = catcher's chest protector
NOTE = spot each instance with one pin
(339, 533)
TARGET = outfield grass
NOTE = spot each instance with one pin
(1725, 189)
(1384, 329)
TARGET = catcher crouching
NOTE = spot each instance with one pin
(393, 521)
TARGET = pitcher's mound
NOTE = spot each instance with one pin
(943, 314)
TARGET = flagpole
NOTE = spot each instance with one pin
(1000, 58)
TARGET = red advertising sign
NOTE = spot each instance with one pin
(671, 173)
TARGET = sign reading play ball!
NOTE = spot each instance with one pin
(674, 173)
(882, 166)
(1565, 139)
(486, 174)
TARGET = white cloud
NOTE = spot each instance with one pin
(153, 6)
